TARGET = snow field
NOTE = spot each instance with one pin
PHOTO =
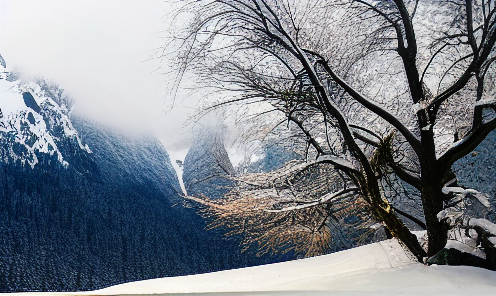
(377, 269)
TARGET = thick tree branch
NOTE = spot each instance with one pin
(470, 29)
(406, 176)
(409, 32)
(368, 131)
(469, 143)
(417, 221)
(374, 107)
(365, 139)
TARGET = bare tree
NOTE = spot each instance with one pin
(379, 90)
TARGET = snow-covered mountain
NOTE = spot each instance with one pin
(83, 206)
(33, 125)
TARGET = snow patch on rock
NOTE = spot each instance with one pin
(25, 132)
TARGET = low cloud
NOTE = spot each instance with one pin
(99, 52)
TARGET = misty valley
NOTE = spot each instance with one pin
(84, 207)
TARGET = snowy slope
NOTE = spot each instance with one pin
(377, 269)
(33, 124)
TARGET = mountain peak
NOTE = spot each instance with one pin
(34, 125)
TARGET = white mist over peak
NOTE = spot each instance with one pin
(101, 53)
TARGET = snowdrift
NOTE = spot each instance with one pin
(377, 269)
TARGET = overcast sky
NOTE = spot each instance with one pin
(98, 51)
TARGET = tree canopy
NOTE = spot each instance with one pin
(386, 95)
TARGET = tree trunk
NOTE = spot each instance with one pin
(384, 212)
(432, 177)
(432, 202)
(400, 231)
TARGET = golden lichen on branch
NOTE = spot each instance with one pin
(383, 155)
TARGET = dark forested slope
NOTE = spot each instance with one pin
(84, 207)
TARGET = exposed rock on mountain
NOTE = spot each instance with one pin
(207, 167)
(33, 131)
(2, 62)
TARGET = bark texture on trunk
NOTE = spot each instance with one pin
(432, 177)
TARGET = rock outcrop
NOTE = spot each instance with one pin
(207, 167)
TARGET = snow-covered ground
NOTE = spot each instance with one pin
(378, 269)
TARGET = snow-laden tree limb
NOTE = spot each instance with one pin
(329, 197)
(467, 144)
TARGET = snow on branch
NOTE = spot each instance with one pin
(483, 224)
(467, 144)
(324, 199)
(311, 198)
(463, 206)
(338, 162)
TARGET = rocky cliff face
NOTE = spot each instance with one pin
(207, 167)
(84, 207)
